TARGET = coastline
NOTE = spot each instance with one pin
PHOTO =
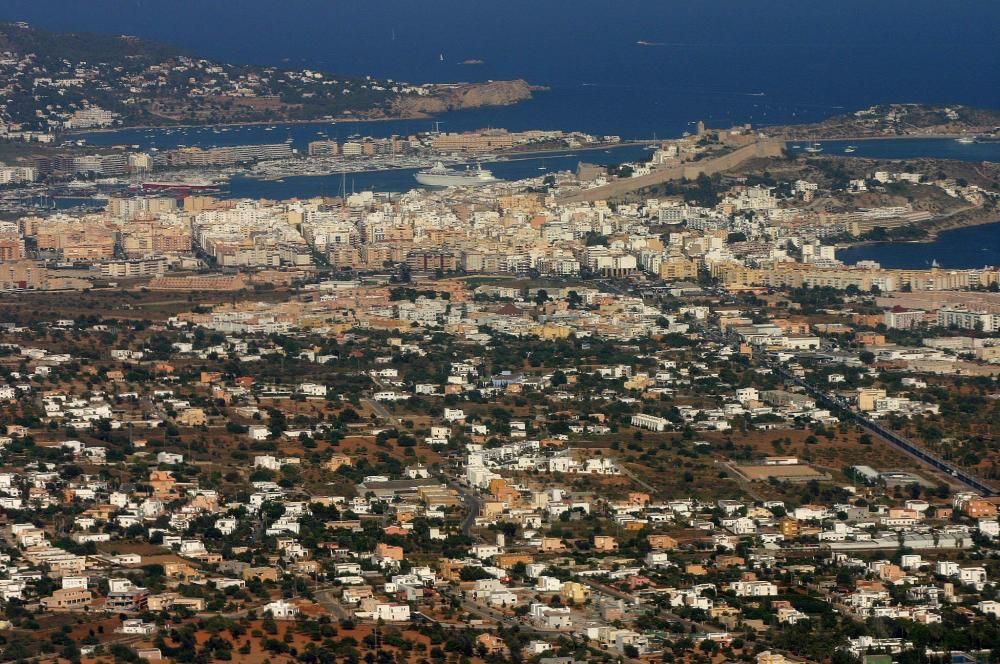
(415, 115)
(250, 123)
(967, 218)
(873, 138)
(959, 248)
(933, 235)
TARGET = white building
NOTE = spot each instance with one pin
(282, 610)
(392, 612)
(650, 422)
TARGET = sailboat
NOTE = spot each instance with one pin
(814, 147)
(441, 57)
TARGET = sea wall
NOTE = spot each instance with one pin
(762, 148)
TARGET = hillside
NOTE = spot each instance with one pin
(50, 78)
(54, 47)
(899, 120)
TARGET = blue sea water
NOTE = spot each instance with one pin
(518, 168)
(724, 61)
(907, 148)
(971, 247)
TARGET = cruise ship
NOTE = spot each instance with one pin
(442, 176)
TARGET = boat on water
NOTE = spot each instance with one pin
(814, 148)
(966, 140)
(194, 186)
(850, 148)
(796, 146)
(442, 176)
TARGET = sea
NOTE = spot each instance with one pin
(628, 67)
(969, 247)
(632, 68)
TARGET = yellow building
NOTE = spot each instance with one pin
(867, 398)
(676, 269)
(23, 275)
(574, 592)
(192, 417)
(552, 331)
(605, 543)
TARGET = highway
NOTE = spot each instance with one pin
(891, 437)
(916, 451)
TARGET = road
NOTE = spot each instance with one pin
(522, 625)
(914, 450)
(328, 601)
(690, 625)
(470, 498)
(379, 410)
(632, 476)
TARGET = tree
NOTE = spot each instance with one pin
(276, 423)
(867, 357)
(469, 573)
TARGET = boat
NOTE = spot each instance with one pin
(814, 148)
(796, 146)
(850, 148)
(442, 176)
(966, 140)
(185, 187)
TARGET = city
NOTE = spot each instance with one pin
(638, 410)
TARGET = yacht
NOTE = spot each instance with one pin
(814, 148)
(442, 176)
(850, 148)
(966, 140)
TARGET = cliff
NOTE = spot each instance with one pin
(463, 96)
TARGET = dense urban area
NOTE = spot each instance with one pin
(637, 413)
